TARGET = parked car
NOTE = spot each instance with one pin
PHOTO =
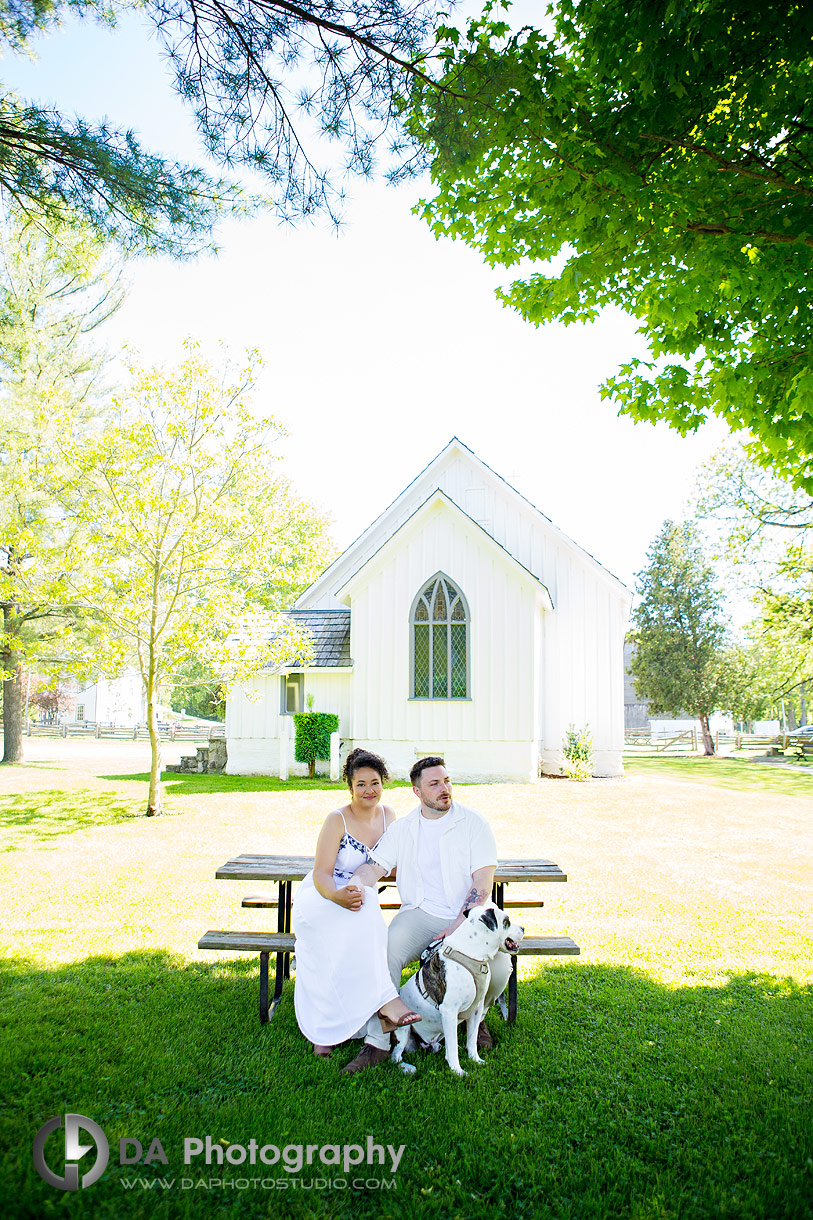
(806, 729)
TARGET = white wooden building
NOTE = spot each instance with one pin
(119, 701)
(462, 623)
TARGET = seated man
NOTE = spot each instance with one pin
(445, 855)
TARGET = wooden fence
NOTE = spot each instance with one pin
(644, 739)
(131, 732)
(647, 742)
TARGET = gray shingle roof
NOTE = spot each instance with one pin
(330, 632)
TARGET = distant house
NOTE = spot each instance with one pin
(120, 701)
(462, 623)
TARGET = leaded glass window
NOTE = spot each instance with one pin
(439, 624)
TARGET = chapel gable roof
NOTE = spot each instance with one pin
(455, 466)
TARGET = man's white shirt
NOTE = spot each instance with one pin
(435, 901)
(464, 842)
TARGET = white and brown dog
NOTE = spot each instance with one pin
(458, 981)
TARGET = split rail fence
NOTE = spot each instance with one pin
(128, 732)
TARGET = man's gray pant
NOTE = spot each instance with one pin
(409, 934)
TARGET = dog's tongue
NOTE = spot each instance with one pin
(510, 945)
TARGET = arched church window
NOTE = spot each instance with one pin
(439, 625)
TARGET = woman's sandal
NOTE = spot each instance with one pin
(322, 1052)
(388, 1025)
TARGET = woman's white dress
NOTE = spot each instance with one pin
(341, 955)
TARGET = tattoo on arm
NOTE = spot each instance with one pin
(474, 898)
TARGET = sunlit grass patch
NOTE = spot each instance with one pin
(202, 782)
(734, 773)
(39, 818)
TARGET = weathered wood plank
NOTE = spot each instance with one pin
(283, 942)
(548, 946)
(248, 942)
(294, 868)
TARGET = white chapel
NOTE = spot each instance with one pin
(461, 623)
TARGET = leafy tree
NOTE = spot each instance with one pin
(657, 157)
(197, 691)
(50, 699)
(680, 636)
(752, 680)
(754, 514)
(195, 540)
(763, 527)
(56, 290)
(264, 78)
(786, 613)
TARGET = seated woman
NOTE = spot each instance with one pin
(341, 937)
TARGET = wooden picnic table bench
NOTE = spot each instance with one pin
(285, 870)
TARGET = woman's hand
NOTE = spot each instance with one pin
(350, 896)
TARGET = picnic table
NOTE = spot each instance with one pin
(285, 870)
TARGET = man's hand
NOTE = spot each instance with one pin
(351, 897)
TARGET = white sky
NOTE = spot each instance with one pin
(382, 343)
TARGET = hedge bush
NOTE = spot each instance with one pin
(312, 741)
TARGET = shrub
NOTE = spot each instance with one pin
(312, 741)
(578, 751)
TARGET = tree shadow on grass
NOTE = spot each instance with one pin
(611, 1096)
(42, 816)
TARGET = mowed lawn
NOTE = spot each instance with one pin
(664, 1073)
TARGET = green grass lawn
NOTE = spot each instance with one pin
(195, 783)
(665, 1075)
(738, 773)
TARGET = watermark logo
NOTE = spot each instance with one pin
(74, 1151)
(291, 1158)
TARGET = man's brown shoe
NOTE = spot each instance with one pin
(484, 1039)
(367, 1056)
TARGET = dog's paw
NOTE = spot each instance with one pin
(458, 1071)
(476, 1059)
(408, 1069)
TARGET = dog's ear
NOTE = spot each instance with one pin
(466, 912)
(489, 919)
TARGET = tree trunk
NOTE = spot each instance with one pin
(708, 740)
(13, 697)
(155, 798)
